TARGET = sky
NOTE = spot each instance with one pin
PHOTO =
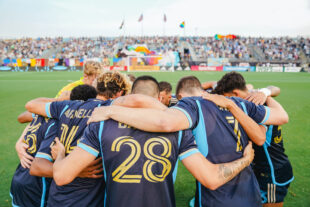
(41, 18)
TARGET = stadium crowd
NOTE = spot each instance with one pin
(113, 140)
(26, 47)
(282, 48)
(279, 48)
(208, 47)
(305, 45)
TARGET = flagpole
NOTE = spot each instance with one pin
(124, 27)
(141, 21)
(164, 24)
(164, 28)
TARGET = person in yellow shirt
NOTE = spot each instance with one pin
(91, 70)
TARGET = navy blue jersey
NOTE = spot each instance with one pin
(72, 119)
(139, 167)
(173, 100)
(28, 190)
(270, 159)
(220, 138)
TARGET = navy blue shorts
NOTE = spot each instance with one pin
(270, 192)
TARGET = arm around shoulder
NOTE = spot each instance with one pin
(277, 114)
(37, 106)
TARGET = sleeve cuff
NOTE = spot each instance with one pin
(88, 149)
(188, 153)
(266, 115)
(47, 110)
(44, 156)
(186, 114)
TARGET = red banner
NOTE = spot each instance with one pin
(206, 68)
(119, 68)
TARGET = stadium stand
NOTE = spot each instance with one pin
(241, 49)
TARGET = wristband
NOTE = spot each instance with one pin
(266, 91)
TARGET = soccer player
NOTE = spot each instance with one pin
(165, 94)
(91, 70)
(220, 136)
(210, 85)
(271, 165)
(165, 89)
(72, 119)
(139, 166)
(42, 164)
(28, 190)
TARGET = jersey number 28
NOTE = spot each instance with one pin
(119, 174)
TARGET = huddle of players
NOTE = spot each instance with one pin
(139, 167)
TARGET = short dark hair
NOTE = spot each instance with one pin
(165, 86)
(188, 84)
(229, 82)
(83, 92)
(146, 85)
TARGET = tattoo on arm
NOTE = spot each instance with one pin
(228, 171)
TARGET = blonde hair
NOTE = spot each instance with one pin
(92, 68)
(111, 82)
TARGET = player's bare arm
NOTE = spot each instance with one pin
(37, 106)
(44, 168)
(41, 167)
(208, 84)
(132, 101)
(259, 97)
(212, 175)
(138, 101)
(66, 169)
(256, 133)
(278, 115)
(275, 91)
(25, 117)
(152, 120)
(21, 149)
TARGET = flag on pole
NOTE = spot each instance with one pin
(122, 24)
(165, 18)
(182, 25)
(140, 18)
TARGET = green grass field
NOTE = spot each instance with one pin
(17, 88)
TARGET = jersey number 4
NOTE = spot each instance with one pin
(119, 174)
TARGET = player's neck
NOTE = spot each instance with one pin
(101, 97)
